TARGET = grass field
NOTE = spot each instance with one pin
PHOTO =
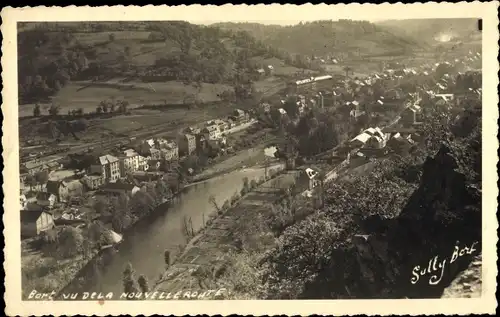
(98, 37)
(87, 95)
(280, 69)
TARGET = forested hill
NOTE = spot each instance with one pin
(428, 30)
(327, 37)
(52, 54)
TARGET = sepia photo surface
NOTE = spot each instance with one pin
(318, 159)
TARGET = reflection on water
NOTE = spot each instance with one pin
(144, 245)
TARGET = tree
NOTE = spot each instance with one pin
(54, 110)
(31, 181)
(166, 257)
(120, 213)
(42, 177)
(127, 51)
(80, 125)
(162, 189)
(98, 109)
(129, 283)
(143, 284)
(123, 106)
(142, 203)
(291, 107)
(70, 242)
(36, 110)
(347, 70)
(101, 206)
(246, 186)
(306, 250)
(213, 201)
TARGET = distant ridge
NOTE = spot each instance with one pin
(325, 37)
(426, 30)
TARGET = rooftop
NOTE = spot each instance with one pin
(31, 215)
(117, 186)
(107, 159)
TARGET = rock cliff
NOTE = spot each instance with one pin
(436, 236)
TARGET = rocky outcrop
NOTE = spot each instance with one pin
(436, 236)
(467, 284)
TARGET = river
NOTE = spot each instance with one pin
(144, 244)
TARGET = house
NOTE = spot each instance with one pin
(150, 142)
(45, 199)
(411, 115)
(201, 143)
(375, 142)
(213, 147)
(211, 132)
(23, 201)
(170, 152)
(399, 144)
(129, 162)
(186, 144)
(65, 189)
(239, 116)
(35, 222)
(260, 72)
(35, 166)
(360, 140)
(149, 151)
(53, 166)
(192, 130)
(143, 163)
(61, 174)
(93, 181)
(108, 166)
(154, 154)
(58, 189)
(223, 125)
(309, 177)
(269, 70)
(119, 188)
(447, 98)
(30, 197)
(371, 137)
(154, 165)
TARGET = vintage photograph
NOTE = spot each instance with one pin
(250, 160)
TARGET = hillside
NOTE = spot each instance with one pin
(329, 37)
(54, 55)
(431, 31)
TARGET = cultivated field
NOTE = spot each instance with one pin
(88, 95)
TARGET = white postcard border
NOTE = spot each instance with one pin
(485, 304)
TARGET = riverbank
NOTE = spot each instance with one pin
(248, 157)
(211, 248)
(46, 273)
(164, 230)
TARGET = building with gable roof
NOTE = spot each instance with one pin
(411, 115)
(108, 166)
(35, 222)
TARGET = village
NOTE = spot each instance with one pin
(49, 189)
(382, 113)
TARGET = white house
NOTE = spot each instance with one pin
(211, 132)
